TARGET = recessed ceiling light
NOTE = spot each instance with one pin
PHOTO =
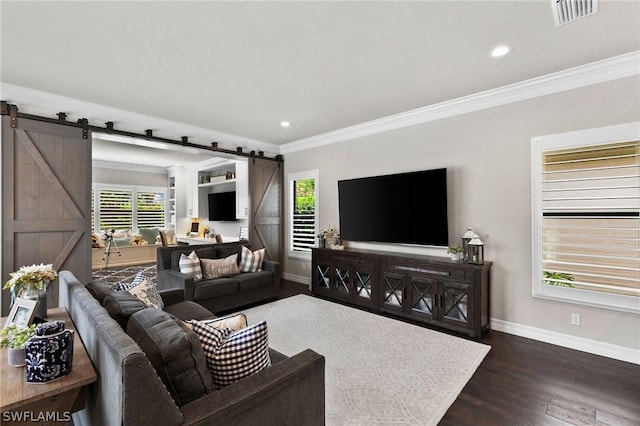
(500, 51)
(285, 124)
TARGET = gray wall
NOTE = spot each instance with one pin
(488, 155)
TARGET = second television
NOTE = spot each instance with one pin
(222, 206)
(409, 208)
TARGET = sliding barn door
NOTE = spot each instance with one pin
(46, 200)
(266, 183)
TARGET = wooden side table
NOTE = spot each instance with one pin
(45, 403)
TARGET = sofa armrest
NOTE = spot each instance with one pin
(172, 296)
(290, 392)
(169, 279)
(270, 265)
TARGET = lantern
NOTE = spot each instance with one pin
(468, 236)
(476, 251)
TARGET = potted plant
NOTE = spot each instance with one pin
(14, 337)
(31, 282)
(454, 251)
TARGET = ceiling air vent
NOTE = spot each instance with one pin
(565, 11)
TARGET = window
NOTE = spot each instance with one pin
(114, 207)
(586, 207)
(303, 202)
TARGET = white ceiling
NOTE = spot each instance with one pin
(242, 67)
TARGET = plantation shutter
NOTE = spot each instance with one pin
(304, 215)
(591, 224)
(115, 209)
(93, 209)
(151, 208)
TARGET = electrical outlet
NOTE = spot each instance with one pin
(575, 319)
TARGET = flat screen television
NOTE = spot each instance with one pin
(222, 206)
(409, 208)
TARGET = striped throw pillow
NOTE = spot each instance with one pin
(251, 261)
(190, 265)
(232, 356)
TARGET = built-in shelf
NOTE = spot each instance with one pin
(222, 182)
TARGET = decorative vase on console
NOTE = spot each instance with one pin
(31, 282)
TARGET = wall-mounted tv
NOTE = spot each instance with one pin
(409, 208)
(222, 206)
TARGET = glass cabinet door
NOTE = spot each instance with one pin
(393, 291)
(362, 283)
(423, 295)
(323, 278)
(456, 298)
(341, 277)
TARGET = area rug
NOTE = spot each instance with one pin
(124, 274)
(379, 371)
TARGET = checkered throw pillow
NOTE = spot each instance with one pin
(126, 286)
(190, 265)
(251, 261)
(232, 356)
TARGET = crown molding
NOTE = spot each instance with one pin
(37, 102)
(614, 68)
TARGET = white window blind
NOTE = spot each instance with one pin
(127, 207)
(590, 223)
(304, 214)
(303, 210)
(150, 209)
(585, 217)
(115, 208)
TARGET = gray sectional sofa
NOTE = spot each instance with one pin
(219, 294)
(133, 368)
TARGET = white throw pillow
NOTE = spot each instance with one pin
(190, 265)
(251, 261)
(148, 293)
(233, 322)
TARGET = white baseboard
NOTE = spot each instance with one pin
(297, 278)
(621, 353)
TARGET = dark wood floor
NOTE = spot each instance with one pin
(526, 382)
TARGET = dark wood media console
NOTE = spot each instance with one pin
(428, 289)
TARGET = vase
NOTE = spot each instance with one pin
(16, 357)
(39, 295)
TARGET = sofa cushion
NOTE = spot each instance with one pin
(99, 289)
(215, 288)
(190, 265)
(218, 268)
(121, 305)
(234, 356)
(254, 280)
(189, 310)
(207, 253)
(228, 250)
(174, 351)
(251, 261)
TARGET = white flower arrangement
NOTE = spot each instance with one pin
(34, 277)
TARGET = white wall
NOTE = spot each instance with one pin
(487, 154)
(129, 177)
